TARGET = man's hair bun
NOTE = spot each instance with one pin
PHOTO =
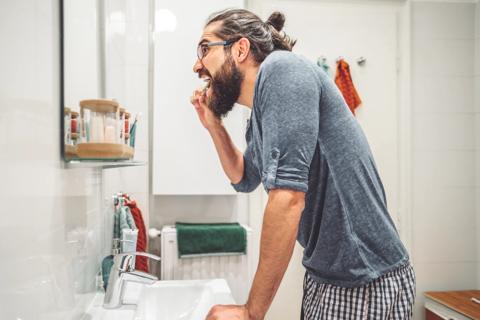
(277, 20)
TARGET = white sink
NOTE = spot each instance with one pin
(166, 300)
(182, 300)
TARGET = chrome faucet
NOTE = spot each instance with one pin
(123, 271)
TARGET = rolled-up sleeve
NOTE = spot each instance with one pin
(290, 123)
(251, 176)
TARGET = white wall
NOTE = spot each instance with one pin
(56, 223)
(444, 222)
(477, 131)
(52, 223)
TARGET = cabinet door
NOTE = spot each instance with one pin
(184, 157)
(429, 315)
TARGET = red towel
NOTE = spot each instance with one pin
(141, 263)
(344, 82)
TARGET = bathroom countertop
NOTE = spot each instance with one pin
(459, 301)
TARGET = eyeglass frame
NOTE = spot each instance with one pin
(214, 43)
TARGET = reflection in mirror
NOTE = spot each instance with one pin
(95, 127)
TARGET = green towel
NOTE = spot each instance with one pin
(322, 63)
(196, 239)
(123, 219)
(107, 264)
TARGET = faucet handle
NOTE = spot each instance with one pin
(124, 261)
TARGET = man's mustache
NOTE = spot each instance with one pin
(204, 72)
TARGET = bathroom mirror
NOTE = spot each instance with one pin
(118, 73)
(105, 83)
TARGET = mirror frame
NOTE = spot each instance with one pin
(61, 79)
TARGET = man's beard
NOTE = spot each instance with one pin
(225, 88)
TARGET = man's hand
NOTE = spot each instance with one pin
(228, 312)
(206, 116)
(230, 157)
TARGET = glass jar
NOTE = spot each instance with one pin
(121, 124)
(66, 125)
(74, 127)
(99, 120)
(127, 128)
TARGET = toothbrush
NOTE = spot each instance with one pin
(133, 131)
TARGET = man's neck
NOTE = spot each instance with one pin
(248, 87)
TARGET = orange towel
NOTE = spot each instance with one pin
(344, 82)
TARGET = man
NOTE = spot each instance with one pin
(308, 151)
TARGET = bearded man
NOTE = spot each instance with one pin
(313, 159)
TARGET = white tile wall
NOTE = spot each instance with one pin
(199, 209)
(476, 85)
(54, 230)
(442, 94)
(452, 57)
(447, 276)
(445, 131)
(477, 131)
(433, 170)
(443, 20)
(444, 144)
(443, 226)
(52, 225)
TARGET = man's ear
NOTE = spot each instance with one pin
(243, 49)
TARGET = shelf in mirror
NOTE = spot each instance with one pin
(102, 163)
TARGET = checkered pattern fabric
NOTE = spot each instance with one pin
(390, 297)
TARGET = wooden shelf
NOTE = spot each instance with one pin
(459, 301)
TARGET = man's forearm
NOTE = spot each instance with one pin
(279, 232)
(230, 157)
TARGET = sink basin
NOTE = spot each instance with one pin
(166, 300)
(182, 300)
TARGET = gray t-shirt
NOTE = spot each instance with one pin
(302, 136)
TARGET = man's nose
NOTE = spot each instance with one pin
(197, 66)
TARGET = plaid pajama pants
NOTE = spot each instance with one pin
(389, 297)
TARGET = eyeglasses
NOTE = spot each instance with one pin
(203, 48)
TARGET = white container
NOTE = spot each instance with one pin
(100, 121)
(100, 136)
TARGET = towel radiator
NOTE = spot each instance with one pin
(236, 269)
